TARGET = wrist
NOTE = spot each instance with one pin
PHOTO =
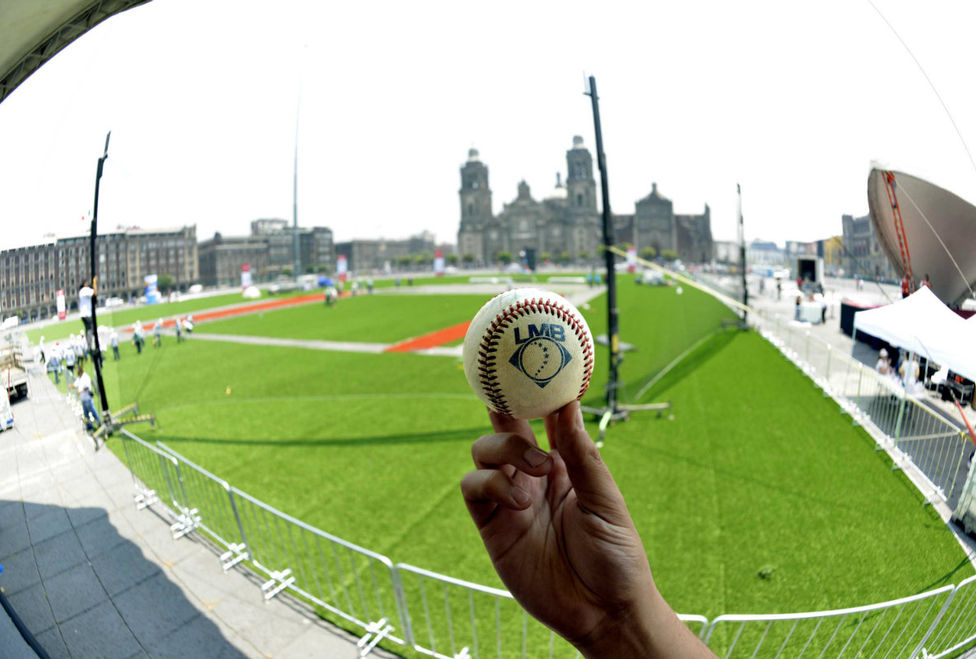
(646, 629)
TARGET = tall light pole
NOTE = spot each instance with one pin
(93, 258)
(294, 201)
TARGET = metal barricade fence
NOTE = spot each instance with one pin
(157, 471)
(912, 431)
(957, 629)
(214, 510)
(354, 583)
(893, 629)
(444, 617)
(449, 618)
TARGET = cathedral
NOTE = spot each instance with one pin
(567, 220)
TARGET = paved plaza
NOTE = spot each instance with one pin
(90, 576)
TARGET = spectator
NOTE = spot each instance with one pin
(69, 359)
(926, 282)
(906, 286)
(54, 363)
(157, 333)
(83, 386)
(85, 294)
(796, 309)
(113, 341)
(138, 336)
(883, 366)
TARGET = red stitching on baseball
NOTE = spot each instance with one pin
(489, 343)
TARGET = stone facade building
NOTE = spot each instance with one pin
(315, 247)
(567, 221)
(31, 276)
(221, 259)
(376, 255)
(862, 253)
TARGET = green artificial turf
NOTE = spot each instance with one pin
(759, 496)
(145, 313)
(363, 319)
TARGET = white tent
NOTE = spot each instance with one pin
(922, 324)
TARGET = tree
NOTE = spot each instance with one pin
(164, 282)
(669, 254)
(564, 258)
(545, 257)
(584, 256)
(468, 259)
(452, 259)
(648, 253)
(504, 257)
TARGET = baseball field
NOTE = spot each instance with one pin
(756, 495)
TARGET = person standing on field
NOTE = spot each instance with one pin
(83, 385)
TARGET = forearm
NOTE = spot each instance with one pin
(651, 629)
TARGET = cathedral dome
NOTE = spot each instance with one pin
(559, 192)
(473, 155)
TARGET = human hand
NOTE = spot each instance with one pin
(558, 532)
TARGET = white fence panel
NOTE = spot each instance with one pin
(957, 629)
(896, 629)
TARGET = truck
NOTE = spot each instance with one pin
(810, 270)
(6, 415)
(12, 373)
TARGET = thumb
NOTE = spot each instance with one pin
(596, 491)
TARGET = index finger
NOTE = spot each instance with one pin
(503, 423)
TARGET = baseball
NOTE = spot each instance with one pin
(527, 353)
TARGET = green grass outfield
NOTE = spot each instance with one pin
(148, 314)
(758, 472)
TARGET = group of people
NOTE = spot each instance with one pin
(903, 371)
(906, 284)
(182, 325)
(64, 355)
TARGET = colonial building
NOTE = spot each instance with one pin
(863, 254)
(315, 247)
(31, 276)
(566, 221)
(222, 259)
(374, 255)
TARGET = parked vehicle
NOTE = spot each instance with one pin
(13, 374)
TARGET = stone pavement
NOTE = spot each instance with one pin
(90, 576)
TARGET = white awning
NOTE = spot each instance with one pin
(33, 31)
(922, 324)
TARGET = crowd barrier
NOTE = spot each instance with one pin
(440, 616)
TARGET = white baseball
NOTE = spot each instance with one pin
(527, 353)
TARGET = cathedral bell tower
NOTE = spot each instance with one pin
(475, 193)
(580, 185)
(475, 197)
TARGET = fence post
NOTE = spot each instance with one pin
(857, 404)
(237, 518)
(827, 374)
(901, 415)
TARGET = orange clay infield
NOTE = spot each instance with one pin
(431, 340)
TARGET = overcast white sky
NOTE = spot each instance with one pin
(794, 100)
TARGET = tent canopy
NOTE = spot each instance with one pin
(922, 324)
(32, 32)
